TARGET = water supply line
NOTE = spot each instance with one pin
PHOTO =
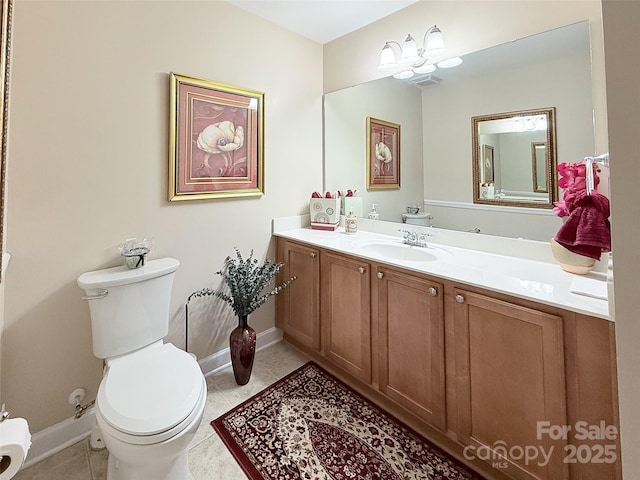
(3, 414)
(82, 409)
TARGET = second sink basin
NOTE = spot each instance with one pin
(399, 252)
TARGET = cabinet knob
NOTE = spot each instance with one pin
(313, 254)
(380, 275)
(459, 299)
(433, 292)
(361, 269)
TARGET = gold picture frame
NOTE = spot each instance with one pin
(6, 11)
(216, 140)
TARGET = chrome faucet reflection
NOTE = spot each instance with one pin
(414, 238)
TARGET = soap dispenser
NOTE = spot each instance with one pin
(351, 224)
(373, 214)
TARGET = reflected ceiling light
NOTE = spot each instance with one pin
(542, 123)
(518, 125)
(530, 123)
(450, 62)
(403, 75)
(410, 54)
(522, 124)
(426, 68)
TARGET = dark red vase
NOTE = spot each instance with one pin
(242, 343)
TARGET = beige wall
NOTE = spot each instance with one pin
(89, 167)
(621, 20)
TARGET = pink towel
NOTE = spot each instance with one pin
(586, 231)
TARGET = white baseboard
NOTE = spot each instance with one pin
(57, 437)
(222, 359)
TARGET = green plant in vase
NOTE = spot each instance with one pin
(246, 282)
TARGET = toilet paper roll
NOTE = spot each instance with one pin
(15, 441)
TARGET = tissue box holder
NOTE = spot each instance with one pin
(352, 204)
(325, 213)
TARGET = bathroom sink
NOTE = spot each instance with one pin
(399, 252)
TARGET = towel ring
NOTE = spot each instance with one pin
(602, 160)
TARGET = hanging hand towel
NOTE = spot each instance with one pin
(586, 231)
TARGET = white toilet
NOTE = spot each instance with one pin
(152, 396)
(417, 219)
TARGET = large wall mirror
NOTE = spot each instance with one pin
(550, 69)
(514, 158)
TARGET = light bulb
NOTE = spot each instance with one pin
(409, 52)
(387, 58)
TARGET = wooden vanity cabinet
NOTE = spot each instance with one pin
(470, 367)
(346, 313)
(510, 376)
(411, 342)
(298, 306)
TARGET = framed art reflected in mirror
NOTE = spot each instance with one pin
(383, 154)
(487, 164)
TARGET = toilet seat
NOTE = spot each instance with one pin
(150, 395)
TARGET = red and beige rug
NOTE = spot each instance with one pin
(310, 425)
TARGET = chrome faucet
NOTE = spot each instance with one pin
(414, 238)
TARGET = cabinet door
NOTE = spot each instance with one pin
(510, 376)
(346, 313)
(298, 305)
(411, 336)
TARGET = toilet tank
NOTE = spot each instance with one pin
(129, 307)
(417, 218)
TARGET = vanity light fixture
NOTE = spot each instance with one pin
(416, 58)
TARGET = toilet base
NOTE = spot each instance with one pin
(177, 469)
(167, 460)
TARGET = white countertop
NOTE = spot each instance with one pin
(540, 281)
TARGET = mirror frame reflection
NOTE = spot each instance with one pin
(538, 161)
(478, 163)
(6, 7)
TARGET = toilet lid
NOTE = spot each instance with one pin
(150, 391)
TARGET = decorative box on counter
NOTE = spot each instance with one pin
(325, 213)
(351, 204)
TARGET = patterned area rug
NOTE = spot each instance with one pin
(310, 425)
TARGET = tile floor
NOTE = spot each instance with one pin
(208, 457)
